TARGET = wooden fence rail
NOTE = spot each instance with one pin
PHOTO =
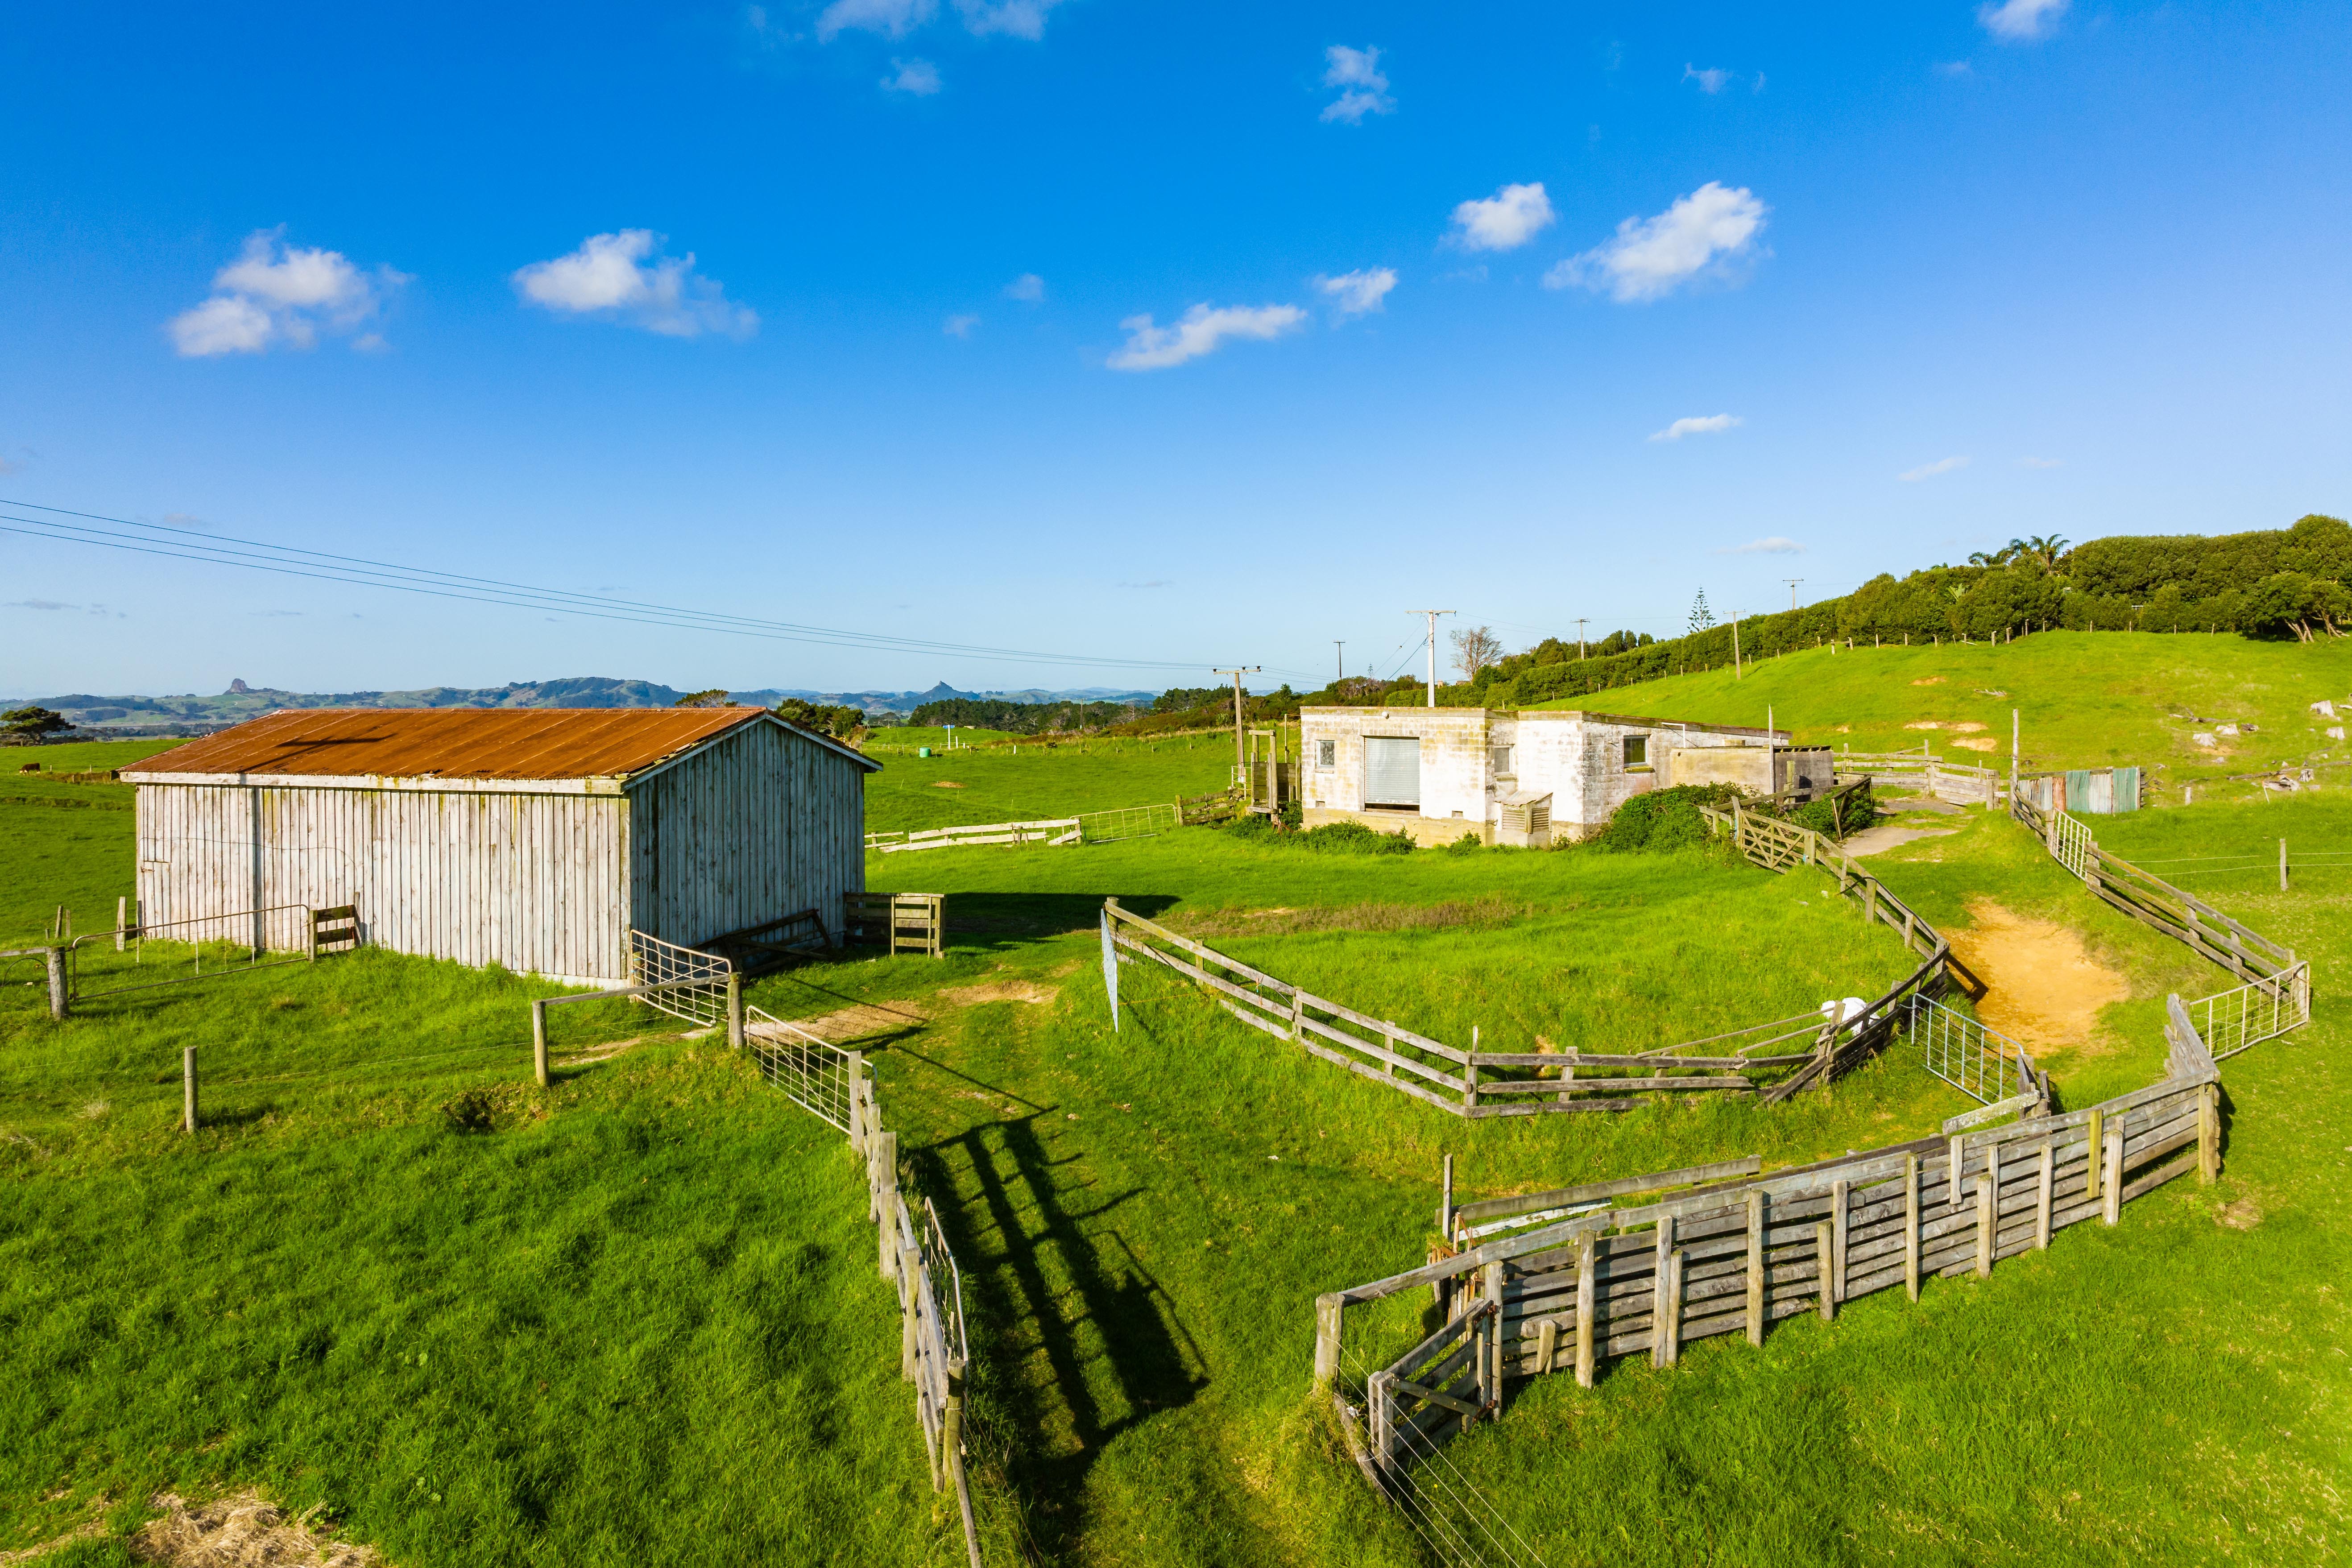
(1733, 1256)
(1480, 1083)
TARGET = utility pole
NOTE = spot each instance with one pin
(1792, 583)
(1580, 638)
(1433, 615)
(1341, 644)
(1241, 762)
(1735, 645)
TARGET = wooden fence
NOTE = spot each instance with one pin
(1732, 1257)
(1086, 827)
(913, 1254)
(917, 922)
(2281, 982)
(1962, 784)
(1481, 1083)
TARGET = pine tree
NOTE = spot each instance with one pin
(1701, 617)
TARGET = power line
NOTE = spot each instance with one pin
(187, 544)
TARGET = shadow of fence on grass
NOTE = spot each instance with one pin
(1052, 1281)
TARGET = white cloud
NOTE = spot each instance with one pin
(1929, 470)
(1503, 221)
(763, 30)
(1202, 328)
(1954, 69)
(920, 77)
(1028, 288)
(1363, 88)
(1361, 292)
(617, 277)
(1650, 257)
(1774, 545)
(891, 18)
(960, 326)
(274, 294)
(2041, 463)
(2021, 21)
(1704, 426)
(1014, 19)
(1710, 80)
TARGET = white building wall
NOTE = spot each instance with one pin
(534, 882)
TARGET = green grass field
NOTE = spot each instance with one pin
(1034, 780)
(392, 1278)
(2083, 698)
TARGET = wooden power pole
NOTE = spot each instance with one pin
(1241, 761)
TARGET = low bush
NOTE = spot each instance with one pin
(1355, 839)
(1664, 819)
(1858, 811)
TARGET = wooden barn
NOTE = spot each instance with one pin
(536, 839)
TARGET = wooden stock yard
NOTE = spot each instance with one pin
(1731, 1257)
(1475, 1083)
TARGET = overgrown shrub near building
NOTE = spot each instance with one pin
(1662, 820)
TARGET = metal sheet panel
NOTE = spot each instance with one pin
(1391, 770)
(453, 742)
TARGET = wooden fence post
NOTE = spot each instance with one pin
(1446, 1203)
(1825, 1265)
(188, 1089)
(735, 1009)
(856, 1076)
(2093, 1150)
(1840, 1203)
(1988, 1200)
(1960, 1153)
(1494, 1374)
(1911, 1226)
(55, 961)
(1756, 1303)
(886, 1200)
(910, 1317)
(2111, 1186)
(1587, 1255)
(2046, 1188)
(121, 918)
(2208, 1134)
(1675, 1307)
(539, 1042)
(1661, 1289)
(1329, 1323)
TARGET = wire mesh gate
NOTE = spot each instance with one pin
(1982, 1063)
(2233, 1020)
(815, 1074)
(653, 962)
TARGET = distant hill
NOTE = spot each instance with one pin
(195, 715)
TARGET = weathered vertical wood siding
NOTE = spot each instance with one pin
(535, 881)
(757, 825)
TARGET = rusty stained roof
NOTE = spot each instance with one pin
(452, 742)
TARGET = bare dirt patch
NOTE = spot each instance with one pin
(1929, 681)
(246, 1531)
(857, 1022)
(2243, 1215)
(2043, 988)
(1001, 991)
(1978, 743)
(945, 783)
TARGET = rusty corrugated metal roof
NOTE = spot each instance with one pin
(452, 742)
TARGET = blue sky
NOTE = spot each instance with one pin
(1176, 334)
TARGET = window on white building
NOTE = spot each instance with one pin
(1327, 753)
(1500, 758)
(1637, 750)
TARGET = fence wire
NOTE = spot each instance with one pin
(1128, 822)
(2232, 1020)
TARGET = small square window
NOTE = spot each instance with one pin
(1500, 757)
(1327, 753)
(1637, 750)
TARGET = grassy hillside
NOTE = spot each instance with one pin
(394, 1278)
(2083, 700)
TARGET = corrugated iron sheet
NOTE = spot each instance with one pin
(452, 742)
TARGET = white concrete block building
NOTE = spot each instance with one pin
(1512, 778)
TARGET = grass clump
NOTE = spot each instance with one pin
(1355, 839)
